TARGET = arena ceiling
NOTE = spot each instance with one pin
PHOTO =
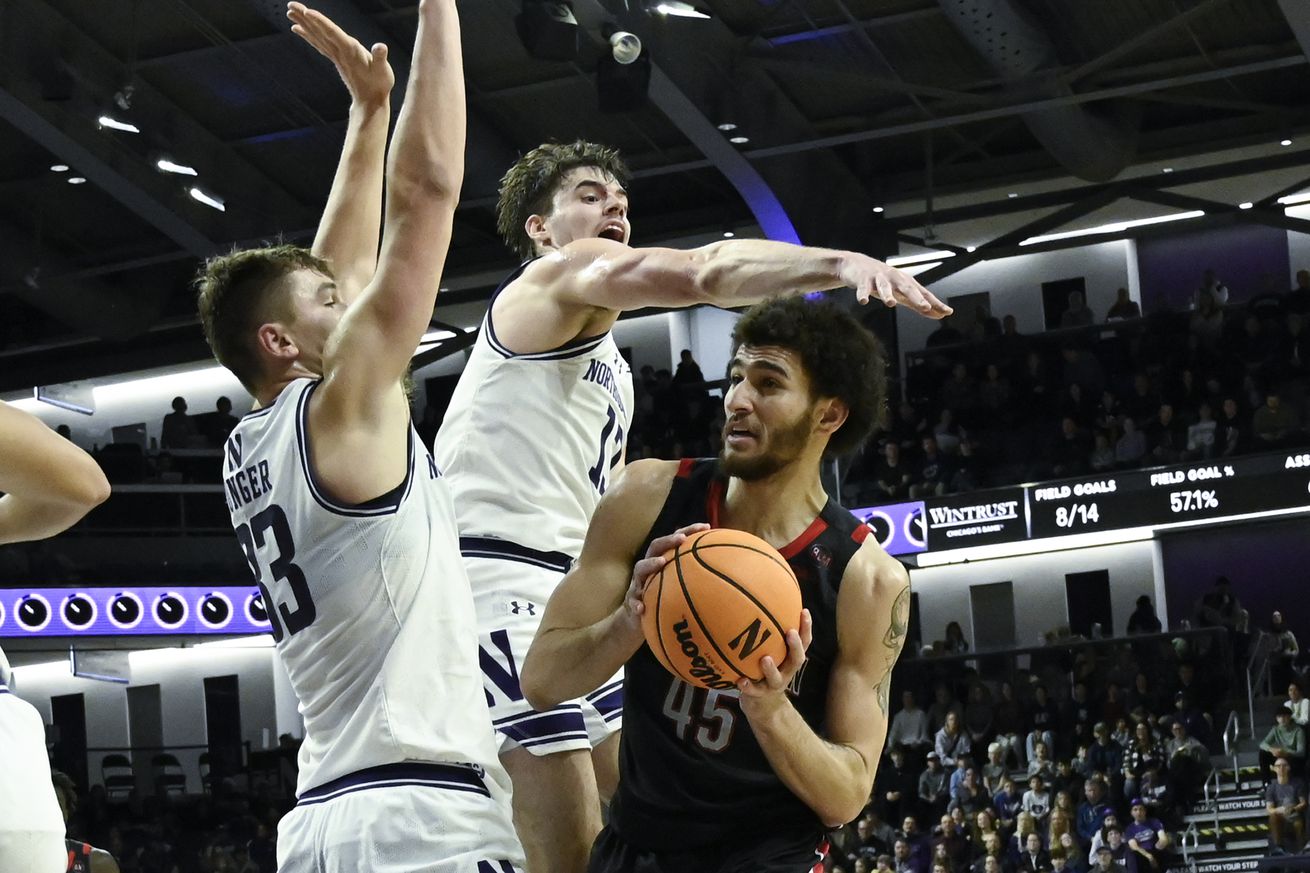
(938, 111)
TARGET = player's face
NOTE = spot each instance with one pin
(588, 203)
(770, 415)
(316, 308)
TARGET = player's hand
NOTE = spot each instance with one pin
(778, 676)
(873, 279)
(367, 75)
(645, 569)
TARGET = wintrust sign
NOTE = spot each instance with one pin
(976, 519)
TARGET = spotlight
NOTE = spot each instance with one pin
(1012, 195)
(679, 9)
(971, 249)
(164, 165)
(1285, 143)
(728, 234)
(548, 30)
(59, 168)
(76, 180)
(207, 199)
(624, 47)
(739, 140)
(727, 127)
(1246, 205)
(115, 124)
(622, 87)
(878, 210)
(1167, 170)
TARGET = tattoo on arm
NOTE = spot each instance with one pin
(900, 622)
(884, 693)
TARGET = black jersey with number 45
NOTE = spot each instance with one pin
(691, 770)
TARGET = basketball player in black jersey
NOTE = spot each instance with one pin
(743, 781)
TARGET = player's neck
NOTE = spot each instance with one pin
(271, 390)
(776, 508)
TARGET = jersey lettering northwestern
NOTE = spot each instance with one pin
(369, 604)
(529, 441)
(691, 771)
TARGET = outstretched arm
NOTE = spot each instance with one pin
(347, 236)
(48, 482)
(834, 774)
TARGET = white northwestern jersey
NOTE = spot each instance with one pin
(529, 441)
(27, 796)
(370, 605)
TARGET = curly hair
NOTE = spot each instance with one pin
(842, 359)
(235, 296)
(528, 187)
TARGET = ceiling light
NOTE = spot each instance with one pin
(1012, 195)
(207, 199)
(1116, 227)
(739, 140)
(727, 127)
(1285, 143)
(624, 46)
(971, 249)
(727, 234)
(905, 260)
(878, 209)
(1167, 170)
(1293, 199)
(115, 124)
(679, 9)
(164, 165)
(1247, 205)
(59, 168)
(76, 180)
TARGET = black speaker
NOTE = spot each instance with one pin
(548, 30)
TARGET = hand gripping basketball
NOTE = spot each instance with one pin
(660, 553)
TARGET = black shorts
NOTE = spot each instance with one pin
(773, 853)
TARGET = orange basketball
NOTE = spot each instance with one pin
(724, 601)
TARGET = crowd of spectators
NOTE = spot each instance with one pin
(988, 406)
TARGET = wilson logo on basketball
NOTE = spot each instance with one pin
(701, 668)
(750, 639)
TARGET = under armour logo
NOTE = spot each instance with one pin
(520, 608)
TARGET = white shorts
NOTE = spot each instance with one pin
(401, 818)
(32, 852)
(511, 585)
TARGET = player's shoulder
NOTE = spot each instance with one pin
(640, 480)
(570, 263)
(873, 579)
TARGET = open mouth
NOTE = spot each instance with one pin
(612, 232)
(736, 435)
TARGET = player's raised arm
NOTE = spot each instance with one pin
(592, 624)
(369, 352)
(48, 482)
(347, 236)
(833, 775)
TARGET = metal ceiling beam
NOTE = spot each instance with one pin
(1298, 18)
(848, 27)
(860, 80)
(1027, 106)
(1256, 215)
(1145, 38)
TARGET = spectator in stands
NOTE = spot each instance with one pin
(1072, 448)
(220, 423)
(1088, 818)
(1062, 861)
(1008, 804)
(945, 335)
(968, 797)
(1080, 717)
(979, 715)
(1275, 424)
(1147, 839)
(65, 431)
(1219, 608)
(952, 740)
(994, 391)
(909, 728)
(1034, 858)
(1298, 300)
(1076, 314)
(1102, 457)
(1105, 860)
(960, 391)
(897, 787)
(948, 433)
(1298, 703)
(956, 644)
(992, 856)
(1059, 831)
(1037, 799)
(892, 479)
(1194, 719)
(1207, 323)
(1166, 436)
(1145, 751)
(1285, 801)
(1232, 436)
(1113, 707)
(1044, 719)
(1201, 435)
(1009, 721)
(177, 430)
(943, 702)
(1124, 307)
(1143, 620)
(950, 843)
(903, 858)
(1131, 447)
(934, 471)
(1040, 764)
(873, 836)
(995, 771)
(1211, 285)
(1286, 739)
(1036, 385)
(1188, 762)
(934, 788)
(1143, 401)
(688, 377)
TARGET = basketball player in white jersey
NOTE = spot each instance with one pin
(536, 429)
(345, 521)
(48, 485)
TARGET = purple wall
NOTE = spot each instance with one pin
(1249, 259)
(1268, 564)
